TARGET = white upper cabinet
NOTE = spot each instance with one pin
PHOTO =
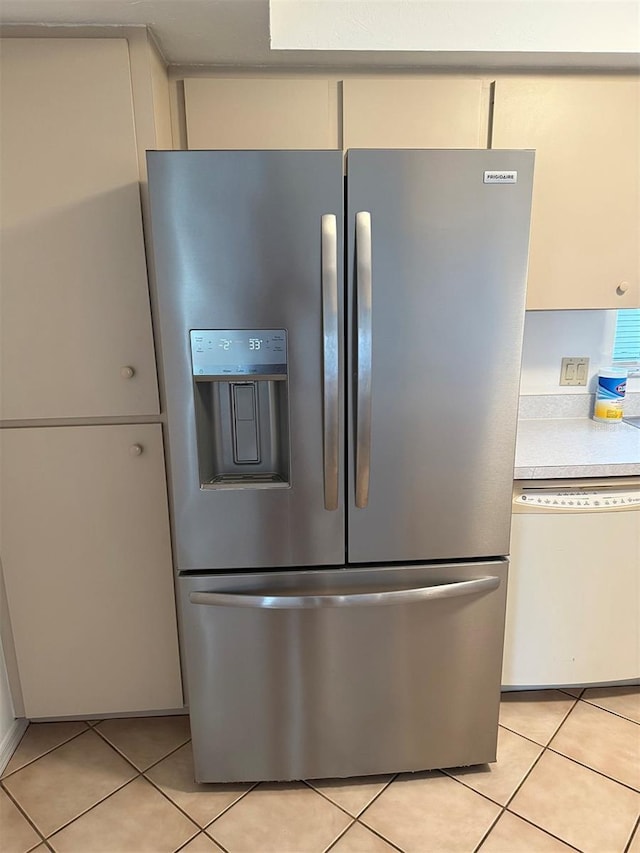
(408, 113)
(76, 324)
(585, 226)
(231, 113)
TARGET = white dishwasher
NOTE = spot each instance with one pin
(573, 599)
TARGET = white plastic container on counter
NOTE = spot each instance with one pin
(610, 391)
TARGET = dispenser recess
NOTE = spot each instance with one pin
(240, 381)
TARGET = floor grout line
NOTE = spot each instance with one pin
(524, 779)
(42, 755)
(116, 750)
(91, 807)
(340, 835)
(635, 829)
(486, 796)
(609, 711)
(558, 727)
(23, 813)
(173, 803)
(254, 785)
(592, 704)
(164, 757)
(447, 776)
(129, 760)
(563, 721)
(594, 770)
(328, 799)
(379, 834)
(546, 831)
(186, 814)
(188, 841)
(526, 737)
(342, 808)
(568, 692)
(215, 841)
(139, 774)
(357, 819)
(379, 794)
(353, 820)
(490, 830)
(505, 807)
(555, 731)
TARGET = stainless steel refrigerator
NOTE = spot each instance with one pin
(340, 362)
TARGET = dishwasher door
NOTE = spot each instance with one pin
(572, 603)
(334, 673)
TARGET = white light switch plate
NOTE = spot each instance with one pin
(574, 371)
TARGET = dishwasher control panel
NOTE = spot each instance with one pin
(578, 499)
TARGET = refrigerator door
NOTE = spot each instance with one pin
(437, 264)
(245, 248)
(313, 674)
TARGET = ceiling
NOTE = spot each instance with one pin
(236, 32)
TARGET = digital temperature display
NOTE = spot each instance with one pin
(238, 352)
(227, 343)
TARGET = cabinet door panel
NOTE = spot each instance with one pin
(250, 113)
(414, 114)
(87, 565)
(585, 222)
(75, 301)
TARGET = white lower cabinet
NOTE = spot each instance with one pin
(86, 557)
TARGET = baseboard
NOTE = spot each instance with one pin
(11, 740)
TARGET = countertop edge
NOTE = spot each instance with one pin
(559, 472)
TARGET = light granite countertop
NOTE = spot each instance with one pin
(558, 439)
(548, 448)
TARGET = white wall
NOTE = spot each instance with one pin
(580, 26)
(6, 707)
(550, 335)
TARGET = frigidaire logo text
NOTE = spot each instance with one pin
(498, 177)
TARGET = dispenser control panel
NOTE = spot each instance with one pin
(238, 352)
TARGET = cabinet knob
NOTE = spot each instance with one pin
(127, 372)
(136, 449)
(622, 288)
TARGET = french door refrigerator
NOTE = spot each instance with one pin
(340, 361)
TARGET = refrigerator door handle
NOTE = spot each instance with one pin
(330, 391)
(356, 599)
(363, 378)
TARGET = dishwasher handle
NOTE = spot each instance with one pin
(353, 599)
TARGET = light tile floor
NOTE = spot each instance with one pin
(567, 778)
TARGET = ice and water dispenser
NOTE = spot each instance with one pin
(242, 415)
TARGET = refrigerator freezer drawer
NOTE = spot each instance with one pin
(319, 673)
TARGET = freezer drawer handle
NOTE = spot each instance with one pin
(363, 395)
(356, 599)
(331, 424)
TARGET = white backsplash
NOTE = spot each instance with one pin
(550, 335)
